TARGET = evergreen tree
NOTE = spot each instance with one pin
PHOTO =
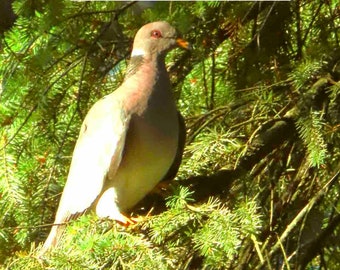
(259, 184)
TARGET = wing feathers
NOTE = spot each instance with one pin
(99, 149)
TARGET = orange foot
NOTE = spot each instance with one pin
(127, 221)
(124, 220)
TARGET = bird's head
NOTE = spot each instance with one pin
(157, 38)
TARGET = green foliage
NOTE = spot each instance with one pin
(220, 238)
(211, 150)
(334, 92)
(212, 229)
(105, 247)
(311, 131)
(179, 198)
(304, 73)
(249, 195)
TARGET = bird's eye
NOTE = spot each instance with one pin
(156, 34)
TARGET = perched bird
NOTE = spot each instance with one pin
(130, 140)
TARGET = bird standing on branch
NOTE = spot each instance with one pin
(129, 141)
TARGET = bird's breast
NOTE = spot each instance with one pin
(150, 148)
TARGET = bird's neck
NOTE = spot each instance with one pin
(138, 61)
(135, 63)
(143, 80)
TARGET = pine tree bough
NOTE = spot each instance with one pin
(264, 144)
(268, 140)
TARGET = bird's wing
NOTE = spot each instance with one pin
(99, 149)
(171, 173)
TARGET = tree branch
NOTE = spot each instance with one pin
(318, 243)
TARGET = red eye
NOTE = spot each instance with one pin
(156, 34)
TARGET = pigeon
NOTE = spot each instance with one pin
(129, 141)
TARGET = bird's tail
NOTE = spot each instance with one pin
(52, 239)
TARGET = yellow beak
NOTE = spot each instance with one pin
(183, 43)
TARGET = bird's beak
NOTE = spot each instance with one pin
(183, 43)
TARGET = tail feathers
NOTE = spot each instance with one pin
(52, 239)
(57, 231)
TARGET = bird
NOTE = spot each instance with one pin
(129, 141)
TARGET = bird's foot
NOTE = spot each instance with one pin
(124, 220)
(136, 219)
